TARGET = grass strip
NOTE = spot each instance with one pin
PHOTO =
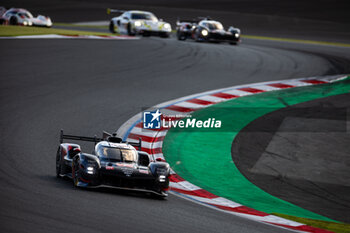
(81, 26)
(7, 30)
(296, 40)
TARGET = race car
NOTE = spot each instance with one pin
(18, 16)
(206, 29)
(113, 163)
(138, 23)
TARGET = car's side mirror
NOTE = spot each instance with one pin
(143, 159)
(74, 151)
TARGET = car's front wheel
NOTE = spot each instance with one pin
(130, 31)
(196, 37)
(165, 35)
(75, 172)
(13, 20)
(111, 27)
(181, 36)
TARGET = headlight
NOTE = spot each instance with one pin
(161, 178)
(204, 32)
(236, 35)
(30, 23)
(167, 26)
(25, 23)
(90, 170)
(138, 24)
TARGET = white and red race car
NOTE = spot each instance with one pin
(19, 16)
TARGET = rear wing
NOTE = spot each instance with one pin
(109, 11)
(193, 21)
(105, 137)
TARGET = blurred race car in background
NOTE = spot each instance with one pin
(113, 163)
(19, 16)
(138, 23)
(206, 29)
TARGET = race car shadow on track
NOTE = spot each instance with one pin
(62, 183)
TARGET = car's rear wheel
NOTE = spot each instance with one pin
(58, 163)
(13, 20)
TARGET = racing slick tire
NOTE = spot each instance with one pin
(111, 27)
(196, 37)
(233, 43)
(58, 163)
(180, 36)
(130, 32)
(146, 34)
(75, 172)
(165, 35)
(13, 20)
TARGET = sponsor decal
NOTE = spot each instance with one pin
(125, 165)
(143, 171)
(151, 120)
(192, 123)
(154, 120)
(109, 167)
(127, 171)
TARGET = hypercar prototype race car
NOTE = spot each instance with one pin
(113, 163)
(18, 16)
(138, 23)
(206, 30)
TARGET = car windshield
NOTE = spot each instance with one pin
(215, 26)
(143, 16)
(25, 14)
(8, 13)
(116, 154)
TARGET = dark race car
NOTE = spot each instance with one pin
(207, 30)
(113, 163)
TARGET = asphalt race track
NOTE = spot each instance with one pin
(86, 86)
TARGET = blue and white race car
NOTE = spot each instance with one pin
(138, 23)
